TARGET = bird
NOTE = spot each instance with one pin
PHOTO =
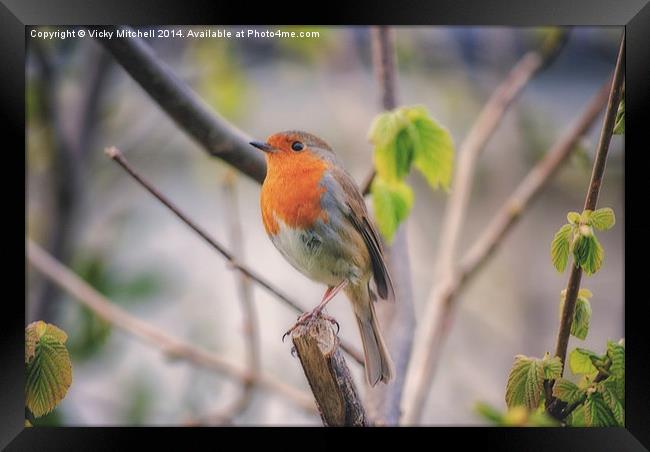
(315, 215)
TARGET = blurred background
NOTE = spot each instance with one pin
(91, 215)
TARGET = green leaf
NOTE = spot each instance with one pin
(560, 247)
(581, 313)
(573, 217)
(541, 419)
(392, 203)
(395, 138)
(37, 330)
(577, 417)
(552, 367)
(616, 353)
(410, 135)
(384, 129)
(581, 361)
(587, 251)
(602, 219)
(525, 382)
(619, 125)
(597, 412)
(489, 412)
(581, 318)
(434, 153)
(48, 369)
(567, 391)
(613, 403)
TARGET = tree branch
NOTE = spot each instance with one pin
(173, 347)
(484, 127)
(219, 137)
(573, 285)
(251, 330)
(316, 345)
(435, 325)
(118, 157)
(397, 320)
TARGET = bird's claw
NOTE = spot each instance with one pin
(306, 318)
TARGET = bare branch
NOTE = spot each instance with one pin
(173, 347)
(397, 319)
(573, 285)
(316, 345)
(470, 149)
(219, 137)
(436, 321)
(251, 330)
(118, 157)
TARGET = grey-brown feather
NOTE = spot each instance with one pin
(357, 213)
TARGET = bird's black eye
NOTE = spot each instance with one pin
(297, 146)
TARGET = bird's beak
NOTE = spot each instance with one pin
(263, 146)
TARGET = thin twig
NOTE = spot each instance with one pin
(173, 347)
(435, 328)
(245, 295)
(118, 157)
(397, 320)
(480, 133)
(220, 138)
(573, 285)
(484, 127)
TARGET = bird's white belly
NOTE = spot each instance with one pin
(304, 249)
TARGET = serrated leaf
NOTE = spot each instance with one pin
(619, 125)
(581, 361)
(616, 353)
(560, 247)
(613, 403)
(49, 372)
(581, 318)
(552, 367)
(383, 129)
(392, 203)
(525, 382)
(405, 149)
(616, 386)
(567, 391)
(395, 139)
(597, 413)
(587, 252)
(603, 219)
(37, 330)
(577, 417)
(434, 153)
(573, 217)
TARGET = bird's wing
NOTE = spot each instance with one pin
(354, 209)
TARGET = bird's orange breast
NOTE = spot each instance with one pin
(292, 191)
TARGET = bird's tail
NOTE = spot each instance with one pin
(379, 365)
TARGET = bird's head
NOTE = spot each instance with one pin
(294, 148)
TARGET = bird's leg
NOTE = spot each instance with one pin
(327, 297)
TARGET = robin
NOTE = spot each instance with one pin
(316, 217)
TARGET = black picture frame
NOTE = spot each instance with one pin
(634, 15)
